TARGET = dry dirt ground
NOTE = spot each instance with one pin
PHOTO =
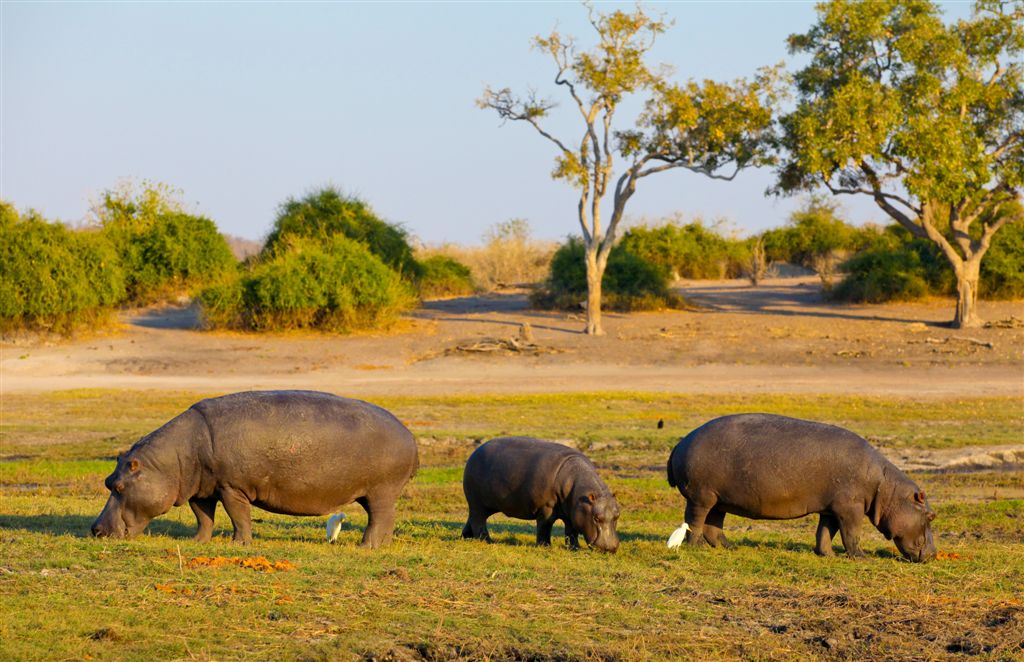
(779, 337)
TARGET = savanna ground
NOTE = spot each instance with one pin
(946, 404)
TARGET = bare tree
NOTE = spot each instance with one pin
(706, 128)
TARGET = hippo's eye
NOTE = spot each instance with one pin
(119, 487)
(597, 518)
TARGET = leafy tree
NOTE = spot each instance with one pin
(708, 127)
(326, 212)
(927, 119)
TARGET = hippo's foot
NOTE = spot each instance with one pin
(203, 536)
(856, 554)
(718, 541)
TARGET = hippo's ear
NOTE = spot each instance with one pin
(919, 497)
(133, 466)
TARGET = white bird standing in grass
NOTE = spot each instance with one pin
(334, 526)
(678, 536)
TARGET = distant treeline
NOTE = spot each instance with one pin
(331, 263)
(872, 264)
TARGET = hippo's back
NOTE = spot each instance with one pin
(765, 453)
(508, 472)
(307, 437)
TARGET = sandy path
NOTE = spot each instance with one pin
(781, 337)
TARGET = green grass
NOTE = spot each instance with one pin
(64, 595)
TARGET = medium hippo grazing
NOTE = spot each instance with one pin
(288, 452)
(764, 466)
(527, 478)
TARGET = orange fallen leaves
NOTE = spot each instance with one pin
(947, 556)
(258, 563)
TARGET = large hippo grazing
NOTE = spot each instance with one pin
(773, 467)
(527, 478)
(288, 452)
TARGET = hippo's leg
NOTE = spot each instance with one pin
(544, 525)
(696, 514)
(713, 528)
(849, 528)
(572, 536)
(204, 510)
(380, 511)
(239, 510)
(476, 525)
(828, 525)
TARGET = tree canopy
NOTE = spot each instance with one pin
(712, 128)
(925, 118)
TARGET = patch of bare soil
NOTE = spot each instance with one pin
(781, 336)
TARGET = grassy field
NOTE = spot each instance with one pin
(432, 595)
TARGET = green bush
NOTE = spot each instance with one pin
(629, 282)
(441, 275)
(165, 251)
(1002, 267)
(334, 284)
(688, 251)
(54, 278)
(879, 275)
(325, 213)
(900, 267)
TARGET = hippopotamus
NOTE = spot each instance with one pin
(288, 452)
(528, 478)
(765, 466)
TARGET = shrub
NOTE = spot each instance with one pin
(909, 268)
(881, 274)
(441, 275)
(1002, 268)
(629, 282)
(326, 212)
(54, 278)
(165, 251)
(688, 251)
(816, 238)
(333, 284)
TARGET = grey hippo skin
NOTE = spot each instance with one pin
(764, 466)
(527, 478)
(287, 452)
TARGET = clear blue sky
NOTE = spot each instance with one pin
(241, 105)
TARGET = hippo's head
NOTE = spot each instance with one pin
(138, 493)
(596, 516)
(906, 519)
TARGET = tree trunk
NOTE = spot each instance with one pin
(595, 272)
(967, 280)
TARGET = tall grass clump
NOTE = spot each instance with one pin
(165, 251)
(53, 278)
(689, 250)
(509, 256)
(444, 276)
(332, 284)
(326, 212)
(629, 283)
